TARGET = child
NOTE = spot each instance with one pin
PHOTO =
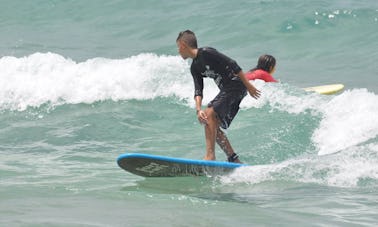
(266, 66)
(233, 85)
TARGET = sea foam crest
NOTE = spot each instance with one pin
(50, 78)
(347, 119)
(42, 78)
(355, 168)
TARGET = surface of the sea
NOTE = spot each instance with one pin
(82, 82)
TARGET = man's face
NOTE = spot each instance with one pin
(182, 49)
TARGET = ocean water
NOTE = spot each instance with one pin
(82, 82)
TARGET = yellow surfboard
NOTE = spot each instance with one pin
(326, 89)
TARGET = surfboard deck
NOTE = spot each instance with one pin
(147, 165)
(326, 89)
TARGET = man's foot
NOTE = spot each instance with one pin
(234, 158)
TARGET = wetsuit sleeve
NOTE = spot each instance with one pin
(198, 82)
(222, 60)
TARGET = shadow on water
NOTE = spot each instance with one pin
(210, 188)
(173, 185)
(268, 192)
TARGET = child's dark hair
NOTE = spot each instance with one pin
(266, 62)
(188, 37)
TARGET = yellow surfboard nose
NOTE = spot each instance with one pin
(326, 89)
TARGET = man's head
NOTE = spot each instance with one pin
(186, 43)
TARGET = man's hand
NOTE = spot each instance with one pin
(202, 117)
(254, 92)
(251, 89)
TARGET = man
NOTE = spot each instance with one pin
(233, 85)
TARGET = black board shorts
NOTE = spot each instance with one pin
(226, 106)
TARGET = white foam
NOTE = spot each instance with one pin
(356, 168)
(349, 119)
(284, 98)
(42, 78)
(50, 78)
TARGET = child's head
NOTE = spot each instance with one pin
(186, 41)
(267, 63)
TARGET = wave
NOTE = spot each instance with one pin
(355, 168)
(43, 78)
(347, 119)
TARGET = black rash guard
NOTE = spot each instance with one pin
(211, 63)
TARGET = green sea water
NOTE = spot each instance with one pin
(82, 82)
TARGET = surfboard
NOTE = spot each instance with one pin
(148, 165)
(326, 89)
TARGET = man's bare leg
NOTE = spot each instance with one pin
(225, 144)
(211, 133)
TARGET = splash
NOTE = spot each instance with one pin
(356, 168)
(349, 119)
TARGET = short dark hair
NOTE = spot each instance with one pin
(188, 37)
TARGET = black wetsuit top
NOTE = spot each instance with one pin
(211, 63)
